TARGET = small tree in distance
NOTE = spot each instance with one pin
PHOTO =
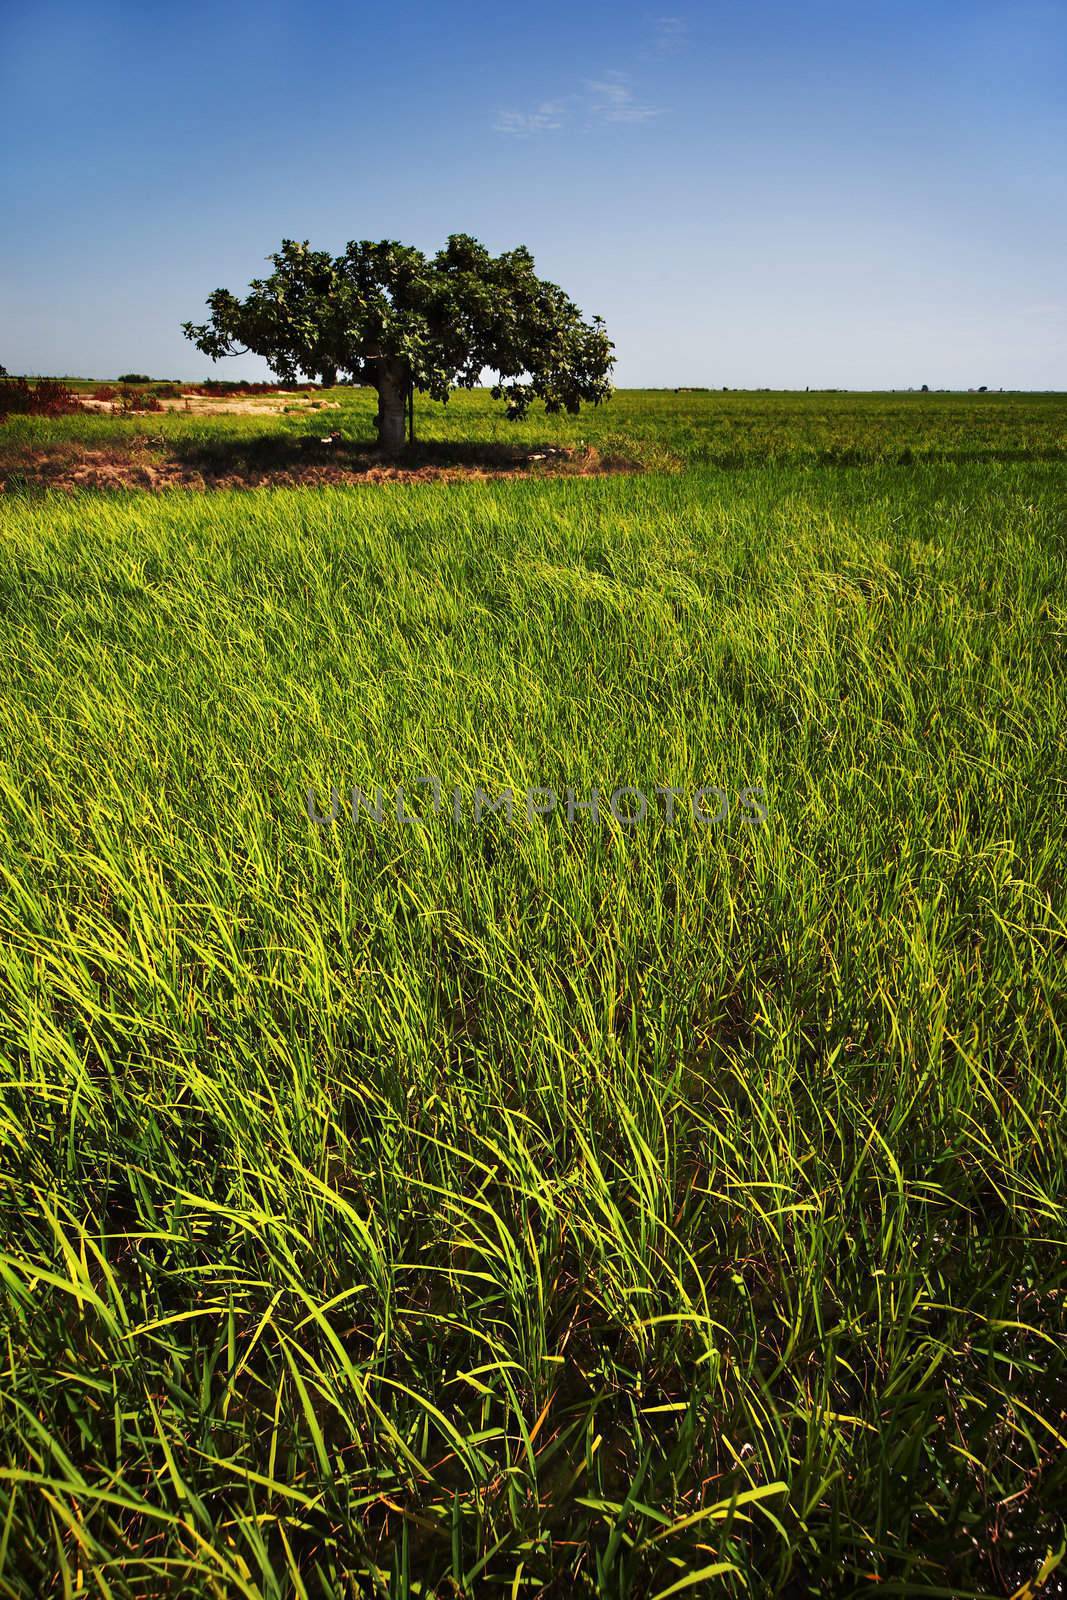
(386, 315)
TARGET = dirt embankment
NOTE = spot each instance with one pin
(160, 464)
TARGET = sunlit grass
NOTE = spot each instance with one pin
(542, 1206)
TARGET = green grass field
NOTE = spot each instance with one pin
(541, 1206)
(655, 427)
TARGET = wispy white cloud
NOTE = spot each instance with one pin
(670, 34)
(548, 115)
(612, 99)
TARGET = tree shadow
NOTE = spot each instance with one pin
(287, 456)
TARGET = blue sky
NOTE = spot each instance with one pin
(855, 195)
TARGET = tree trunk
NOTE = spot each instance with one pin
(392, 392)
(329, 377)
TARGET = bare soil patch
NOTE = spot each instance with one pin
(287, 463)
(206, 405)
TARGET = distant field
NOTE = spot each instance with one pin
(545, 1206)
(646, 427)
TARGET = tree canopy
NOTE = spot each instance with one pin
(387, 315)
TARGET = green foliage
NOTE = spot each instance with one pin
(440, 322)
(541, 1208)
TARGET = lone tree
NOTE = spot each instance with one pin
(386, 315)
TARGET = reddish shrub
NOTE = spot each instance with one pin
(138, 400)
(15, 395)
(47, 398)
(53, 399)
(216, 388)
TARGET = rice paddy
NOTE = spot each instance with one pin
(582, 1200)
